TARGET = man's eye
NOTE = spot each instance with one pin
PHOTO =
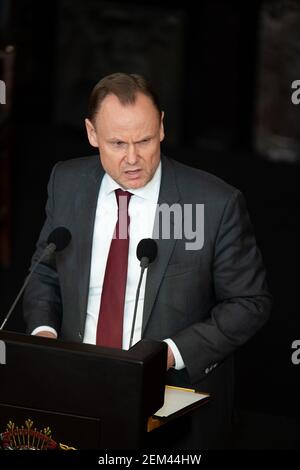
(118, 143)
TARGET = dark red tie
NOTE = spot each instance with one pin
(110, 322)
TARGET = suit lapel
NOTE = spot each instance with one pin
(168, 194)
(85, 206)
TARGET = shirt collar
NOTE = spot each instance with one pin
(148, 192)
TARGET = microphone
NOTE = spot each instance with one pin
(146, 252)
(58, 240)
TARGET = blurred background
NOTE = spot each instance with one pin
(225, 75)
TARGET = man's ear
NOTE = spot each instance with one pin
(91, 133)
(162, 130)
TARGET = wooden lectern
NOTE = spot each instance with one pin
(90, 397)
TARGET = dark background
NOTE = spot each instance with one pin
(224, 74)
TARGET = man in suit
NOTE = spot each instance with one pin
(204, 301)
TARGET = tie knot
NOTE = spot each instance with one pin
(120, 193)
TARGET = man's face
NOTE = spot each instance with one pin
(128, 138)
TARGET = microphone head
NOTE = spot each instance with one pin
(147, 248)
(60, 237)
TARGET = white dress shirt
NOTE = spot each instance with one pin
(141, 209)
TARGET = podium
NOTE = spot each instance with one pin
(90, 397)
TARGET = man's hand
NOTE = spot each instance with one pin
(46, 334)
(171, 359)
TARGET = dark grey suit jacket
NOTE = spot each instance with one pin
(208, 301)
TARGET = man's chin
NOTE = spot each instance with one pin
(134, 183)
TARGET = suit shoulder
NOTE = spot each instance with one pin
(80, 164)
(70, 174)
(193, 180)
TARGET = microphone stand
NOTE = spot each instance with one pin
(144, 264)
(47, 251)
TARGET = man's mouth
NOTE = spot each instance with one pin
(133, 172)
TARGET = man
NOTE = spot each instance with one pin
(204, 301)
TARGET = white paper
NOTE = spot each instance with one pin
(176, 399)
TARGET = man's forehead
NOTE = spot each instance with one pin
(142, 113)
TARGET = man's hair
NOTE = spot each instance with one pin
(123, 85)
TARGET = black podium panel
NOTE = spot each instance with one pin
(88, 396)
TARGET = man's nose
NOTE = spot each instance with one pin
(131, 155)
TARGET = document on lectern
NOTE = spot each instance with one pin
(179, 399)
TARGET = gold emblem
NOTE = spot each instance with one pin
(29, 438)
